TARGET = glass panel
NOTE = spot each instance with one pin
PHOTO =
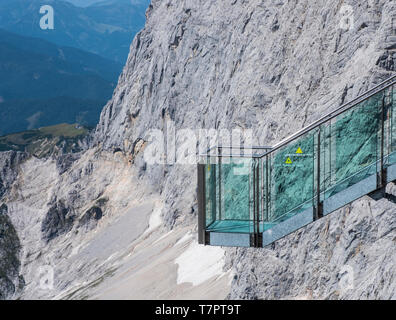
(265, 162)
(210, 192)
(291, 179)
(235, 197)
(256, 196)
(327, 158)
(260, 193)
(352, 145)
(391, 105)
(387, 100)
(235, 181)
(283, 184)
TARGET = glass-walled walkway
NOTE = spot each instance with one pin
(256, 199)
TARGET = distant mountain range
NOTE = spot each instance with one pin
(45, 84)
(105, 28)
(65, 75)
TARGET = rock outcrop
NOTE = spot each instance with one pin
(10, 279)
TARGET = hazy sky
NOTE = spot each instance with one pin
(86, 3)
(83, 3)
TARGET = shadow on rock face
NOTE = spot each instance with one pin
(91, 217)
(9, 256)
(59, 220)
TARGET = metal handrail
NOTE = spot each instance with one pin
(234, 147)
(345, 107)
(263, 193)
(237, 147)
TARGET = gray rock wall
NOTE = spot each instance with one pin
(9, 162)
(274, 67)
(347, 255)
(10, 279)
(269, 66)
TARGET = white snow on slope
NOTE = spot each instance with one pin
(199, 263)
(155, 218)
(187, 237)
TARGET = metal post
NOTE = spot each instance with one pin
(391, 122)
(255, 235)
(219, 162)
(201, 203)
(266, 189)
(382, 178)
(213, 191)
(262, 188)
(318, 207)
(257, 205)
(253, 215)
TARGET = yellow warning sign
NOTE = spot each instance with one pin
(208, 167)
(299, 151)
(288, 161)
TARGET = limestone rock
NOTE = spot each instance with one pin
(271, 66)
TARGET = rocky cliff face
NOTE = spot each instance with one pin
(11, 281)
(273, 67)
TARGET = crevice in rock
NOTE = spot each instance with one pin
(10, 280)
(58, 220)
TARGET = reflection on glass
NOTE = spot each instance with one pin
(351, 145)
(334, 157)
(291, 179)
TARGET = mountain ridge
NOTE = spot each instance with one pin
(106, 30)
(36, 73)
(112, 226)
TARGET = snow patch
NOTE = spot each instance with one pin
(155, 218)
(163, 237)
(199, 263)
(184, 239)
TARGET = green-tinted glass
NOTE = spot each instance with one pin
(291, 178)
(391, 105)
(284, 183)
(235, 188)
(351, 143)
(210, 193)
(256, 195)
